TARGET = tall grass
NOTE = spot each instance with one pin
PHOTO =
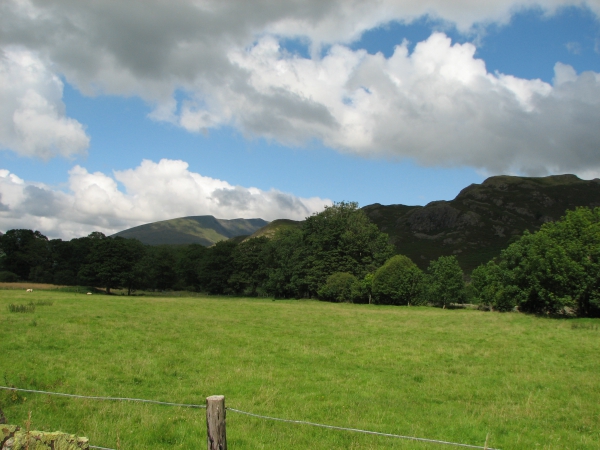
(458, 375)
(29, 308)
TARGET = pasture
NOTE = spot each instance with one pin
(457, 375)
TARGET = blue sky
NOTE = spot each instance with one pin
(112, 117)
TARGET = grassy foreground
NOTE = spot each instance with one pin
(527, 382)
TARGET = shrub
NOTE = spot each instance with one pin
(8, 277)
(338, 287)
(362, 290)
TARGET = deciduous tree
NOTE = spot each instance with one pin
(445, 282)
(397, 282)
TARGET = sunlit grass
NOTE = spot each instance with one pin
(458, 375)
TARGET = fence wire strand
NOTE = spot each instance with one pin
(356, 430)
(122, 399)
(259, 416)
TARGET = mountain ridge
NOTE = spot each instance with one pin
(483, 218)
(475, 226)
(204, 230)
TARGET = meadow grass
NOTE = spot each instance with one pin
(527, 382)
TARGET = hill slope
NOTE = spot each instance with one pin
(483, 218)
(204, 230)
(270, 229)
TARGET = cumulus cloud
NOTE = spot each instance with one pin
(150, 192)
(32, 115)
(437, 105)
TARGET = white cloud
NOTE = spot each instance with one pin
(32, 114)
(437, 106)
(151, 192)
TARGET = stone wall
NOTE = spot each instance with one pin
(13, 438)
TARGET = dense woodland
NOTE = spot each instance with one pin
(338, 255)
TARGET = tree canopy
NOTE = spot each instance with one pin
(554, 270)
(397, 282)
(445, 282)
(339, 239)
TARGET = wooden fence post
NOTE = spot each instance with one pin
(215, 422)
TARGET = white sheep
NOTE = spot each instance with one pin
(29, 290)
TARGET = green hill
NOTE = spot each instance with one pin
(483, 218)
(270, 229)
(204, 230)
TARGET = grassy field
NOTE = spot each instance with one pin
(461, 375)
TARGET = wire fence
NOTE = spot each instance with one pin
(259, 416)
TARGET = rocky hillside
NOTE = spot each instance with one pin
(483, 219)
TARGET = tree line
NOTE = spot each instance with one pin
(336, 255)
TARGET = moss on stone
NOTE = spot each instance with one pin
(13, 438)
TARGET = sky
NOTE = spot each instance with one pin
(116, 114)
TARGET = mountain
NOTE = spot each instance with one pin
(483, 219)
(204, 230)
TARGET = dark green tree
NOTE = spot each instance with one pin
(250, 270)
(342, 239)
(445, 282)
(398, 282)
(110, 262)
(286, 264)
(161, 263)
(487, 286)
(555, 268)
(362, 289)
(338, 287)
(188, 266)
(27, 254)
(216, 269)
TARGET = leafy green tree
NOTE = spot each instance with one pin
(555, 268)
(342, 239)
(398, 282)
(188, 265)
(486, 284)
(111, 262)
(27, 254)
(338, 287)
(217, 267)
(445, 282)
(250, 269)
(161, 264)
(578, 234)
(286, 264)
(362, 289)
(69, 256)
(339, 239)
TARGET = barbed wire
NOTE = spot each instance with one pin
(277, 419)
